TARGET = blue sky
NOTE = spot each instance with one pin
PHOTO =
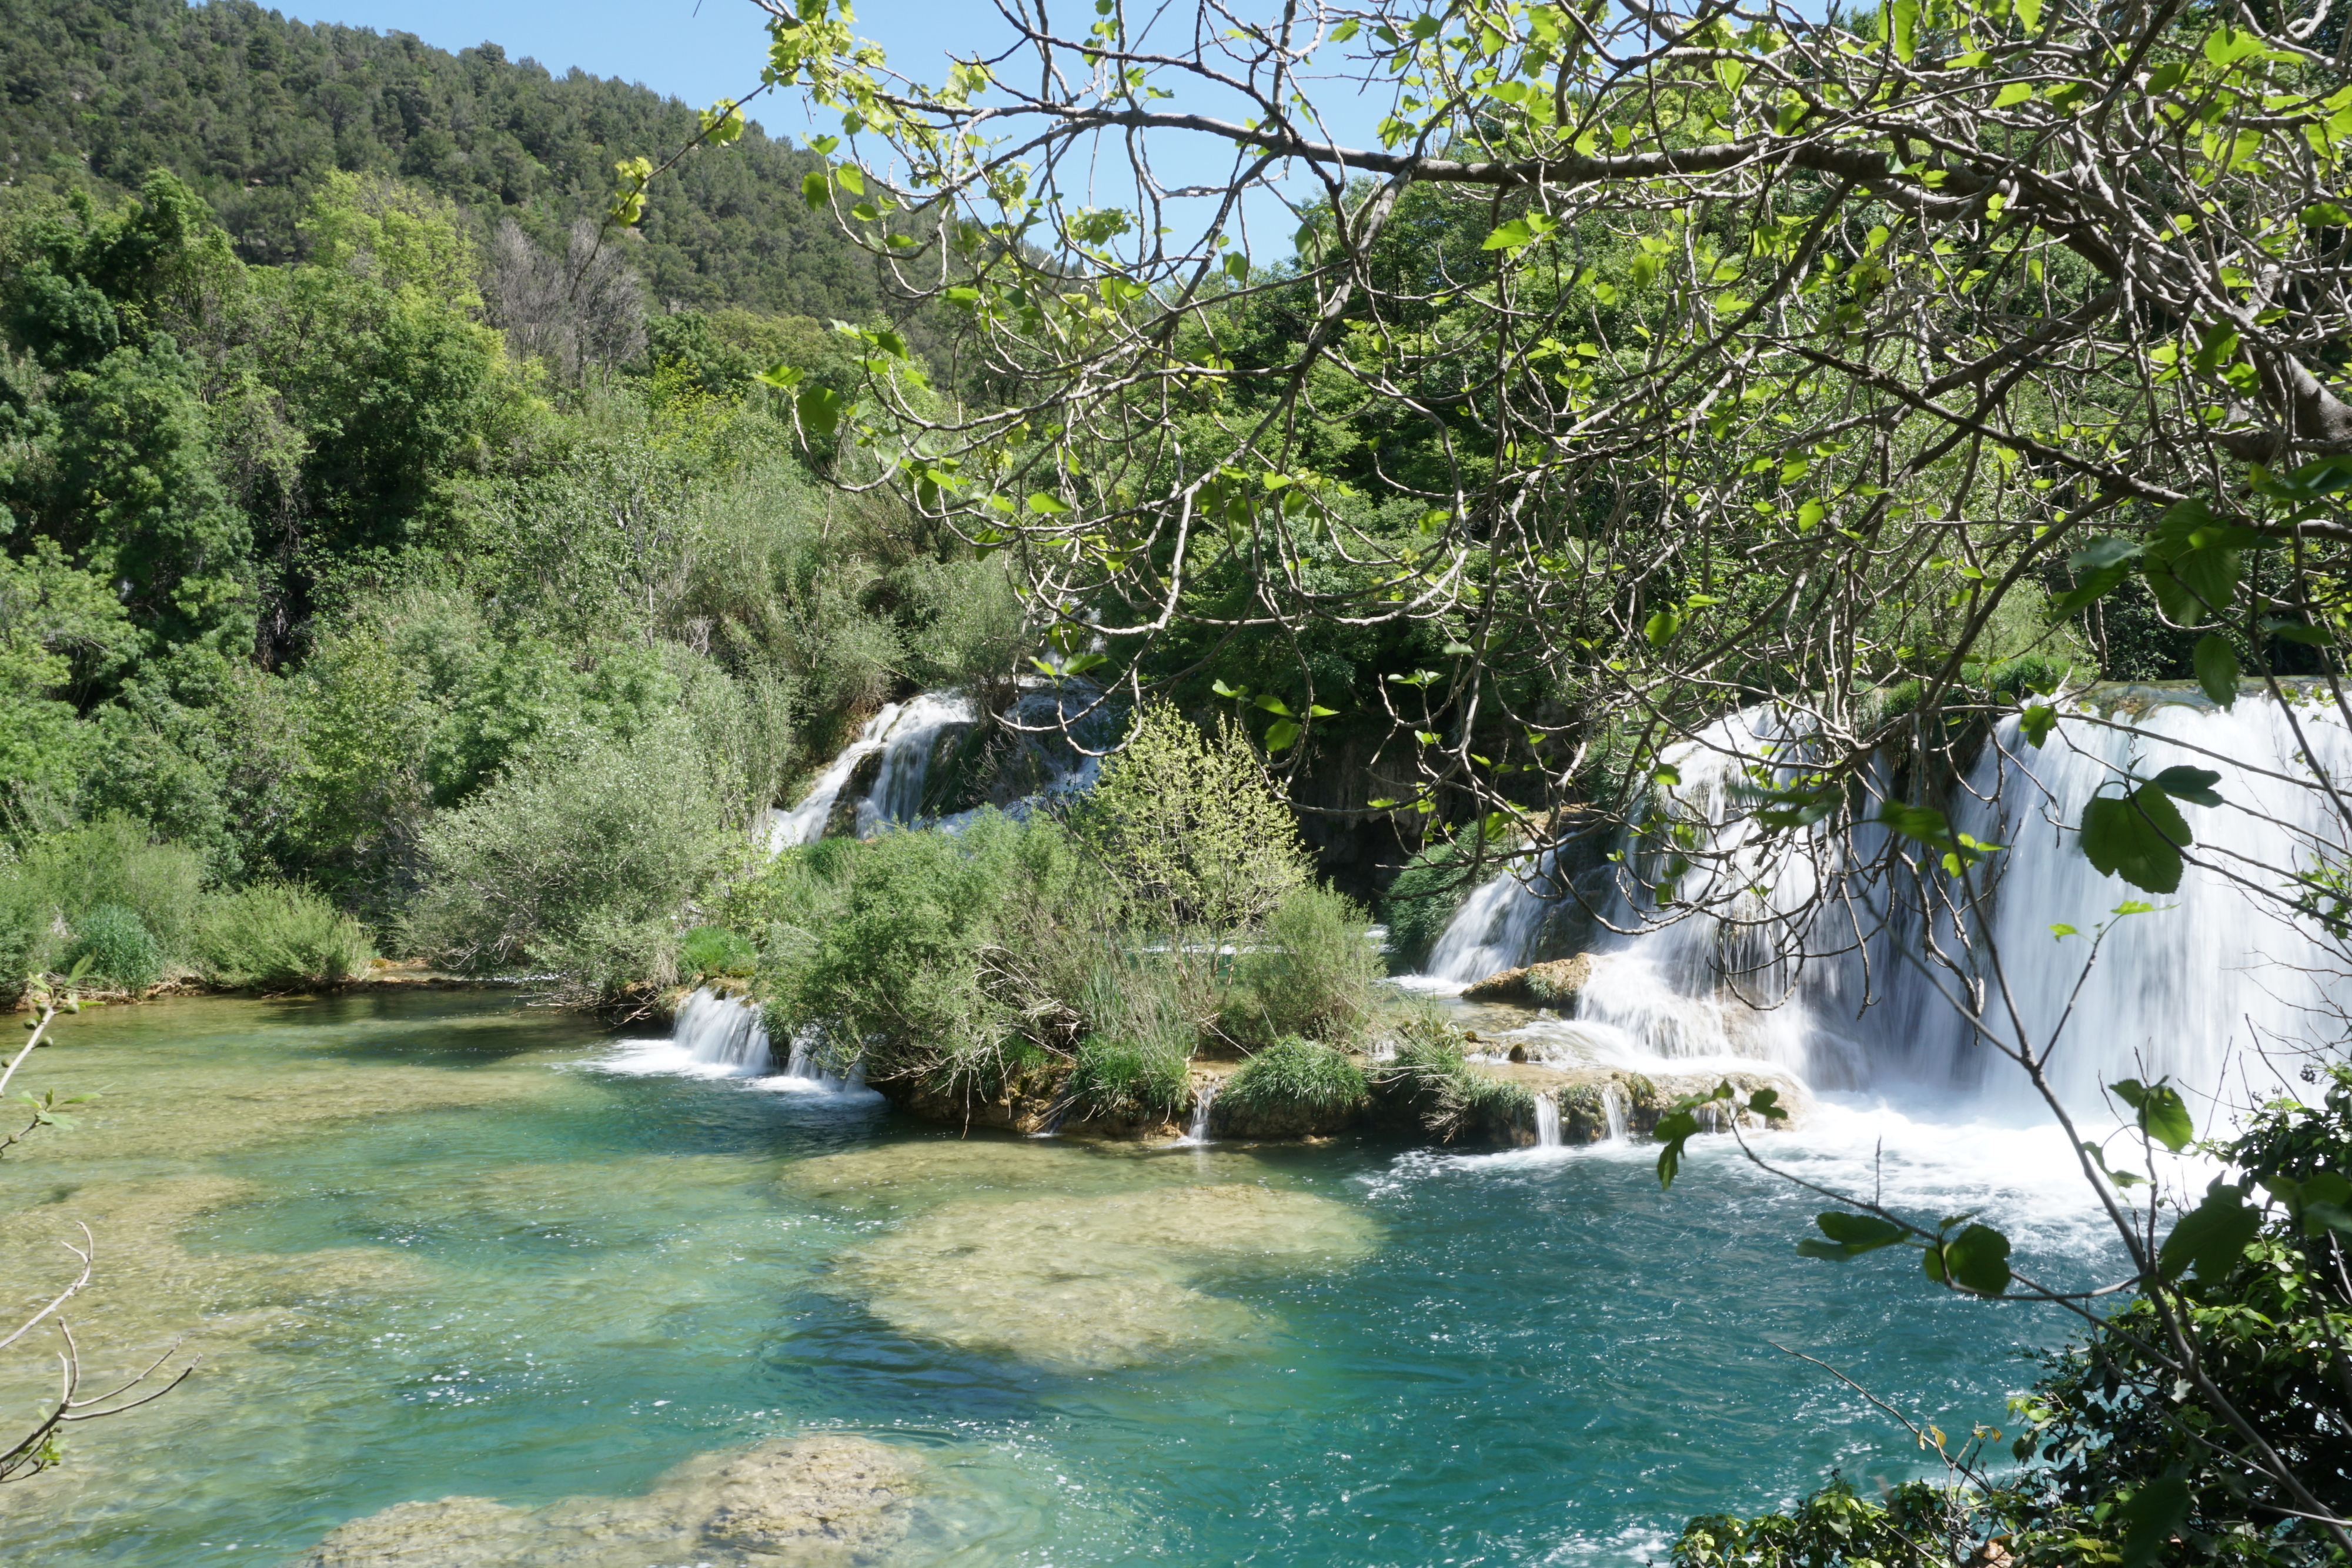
(715, 50)
(670, 46)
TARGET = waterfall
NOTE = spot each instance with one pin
(2205, 988)
(1547, 1121)
(716, 1036)
(906, 734)
(897, 793)
(1496, 924)
(1613, 1110)
(1202, 1098)
(723, 1034)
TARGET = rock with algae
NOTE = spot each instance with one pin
(820, 1500)
(1091, 1283)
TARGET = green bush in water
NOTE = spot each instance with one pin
(1310, 973)
(1119, 1077)
(120, 950)
(277, 936)
(1296, 1075)
(1431, 1075)
(956, 958)
(715, 950)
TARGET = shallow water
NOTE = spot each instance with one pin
(426, 1245)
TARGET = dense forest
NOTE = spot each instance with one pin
(357, 481)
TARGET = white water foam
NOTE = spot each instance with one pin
(723, 1036)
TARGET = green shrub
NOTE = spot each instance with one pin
(1294, 1076)
(1429, 1075)
(715, 950)
(937, 955)
(1118, 1077)
(1311, 972)
(1135, 1058)
(575, 864)
(1190, 828)
(278, 937)
(120, 950)
(116, 861)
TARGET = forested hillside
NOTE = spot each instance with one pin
(254, 112)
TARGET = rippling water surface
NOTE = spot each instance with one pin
(428, 1245)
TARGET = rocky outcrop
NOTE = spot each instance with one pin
(824, 1500)
(1551, 985)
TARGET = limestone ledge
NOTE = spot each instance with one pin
(1583, 1094)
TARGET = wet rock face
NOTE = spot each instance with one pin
(1556, 984)
(826, 1500)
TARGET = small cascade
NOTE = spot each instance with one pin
(717, 1036)
(1612, 1112)
(1547, 1121)
(1203, 1098)
(804, 823)
(723, 1035)
(897, 795)
(1495, 925)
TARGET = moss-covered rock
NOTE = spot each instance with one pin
(1556, 984)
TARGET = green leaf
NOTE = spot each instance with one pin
(2216, 663)
(1660, 628)
(1083, 663)
(848, 177)
(2194, 785)
(1924, 823)
(2029, 14)
(1976, 1259)
(2097, 568)
(2211, 1238)
(1281, 734)
(2154, 1513)
(2134, 837)
(2035, 724)
(1223, 690)
(1520, 232)
(1903, 20)
(2160, 1111)
(1675, 1129)
(813, 188)
(2296, 632)
(1850, 1235)
(1272, 704)
(1047, 505)
(1766, 1103)
(821, 409)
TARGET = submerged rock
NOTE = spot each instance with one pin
(822, 1500)
(1095, 1283)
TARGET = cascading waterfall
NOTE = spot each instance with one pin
(897, 793)
(1547, 1121)
(716, 1036)
(1494, 924)
(1612, 1112)
(723, 1033)
(906, 734)
(1203, 1098)
(2205, 988)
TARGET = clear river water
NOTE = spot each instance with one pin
(432, 1244)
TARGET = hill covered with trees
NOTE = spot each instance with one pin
(254, 113)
